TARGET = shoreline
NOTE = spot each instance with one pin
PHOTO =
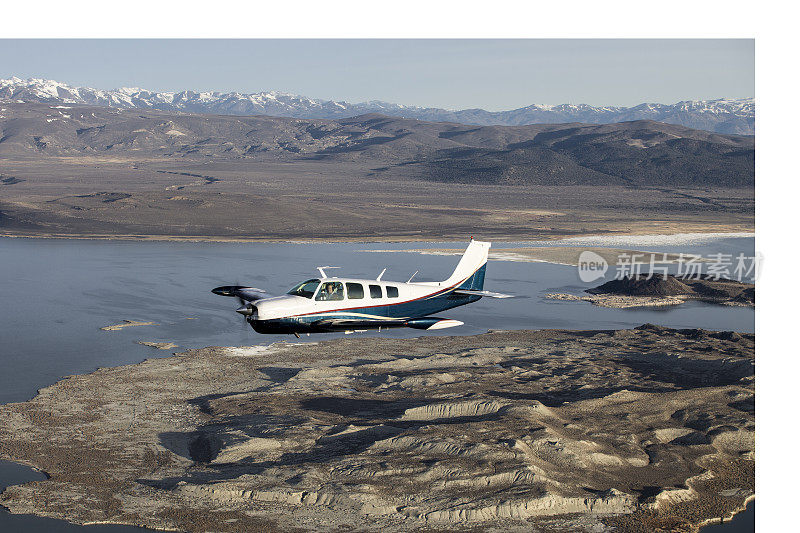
(731, 515)
(590, 238)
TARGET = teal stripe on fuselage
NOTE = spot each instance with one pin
(411, 309)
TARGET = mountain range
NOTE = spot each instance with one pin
(636, 153)
(731, 116)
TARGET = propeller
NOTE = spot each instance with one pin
(243, 305)
(243, 322)
(246, 307)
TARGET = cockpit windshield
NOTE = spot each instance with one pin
(305, 289)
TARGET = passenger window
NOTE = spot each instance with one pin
(375, 291)
(355, 291)
(391, 292)
(331, 291)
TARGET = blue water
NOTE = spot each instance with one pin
(57, 294)
(14, 474)
(744, 522)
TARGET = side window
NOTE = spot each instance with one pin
(331, 291)
(391, 292)
(375, 291)
(355, 291)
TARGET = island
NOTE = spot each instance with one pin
(127, 324)
(659, 290)
(545, 430)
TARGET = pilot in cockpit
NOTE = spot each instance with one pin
(331, 291)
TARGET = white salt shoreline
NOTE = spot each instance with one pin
(651, 240)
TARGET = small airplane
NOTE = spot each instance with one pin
(327, 304)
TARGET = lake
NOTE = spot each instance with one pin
(58, 293)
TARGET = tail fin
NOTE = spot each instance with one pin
(471, 269)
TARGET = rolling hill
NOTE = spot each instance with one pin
(637, 153)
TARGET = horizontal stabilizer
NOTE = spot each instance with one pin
(489, 294)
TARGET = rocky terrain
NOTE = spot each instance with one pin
(618, 301)
(703, 287)
(722, 115)
(526, 430)
(659, 290)
(76, 170)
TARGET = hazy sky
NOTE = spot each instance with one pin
(452, 74)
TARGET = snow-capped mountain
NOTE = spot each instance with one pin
(721, 115)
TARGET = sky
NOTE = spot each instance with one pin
(448, 73)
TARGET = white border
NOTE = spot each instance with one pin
(777, 367)
(375, 19)
(773, 25)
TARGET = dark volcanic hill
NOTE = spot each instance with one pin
(704, 287)
(657, 285)
(639, 153)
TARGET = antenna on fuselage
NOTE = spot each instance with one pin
(322, 272)
(380, 275)
(412, 276)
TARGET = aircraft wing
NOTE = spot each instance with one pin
(426, 322)
(489, 294)
(341, 323)
(248, 294)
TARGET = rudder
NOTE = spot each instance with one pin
(471, 270)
